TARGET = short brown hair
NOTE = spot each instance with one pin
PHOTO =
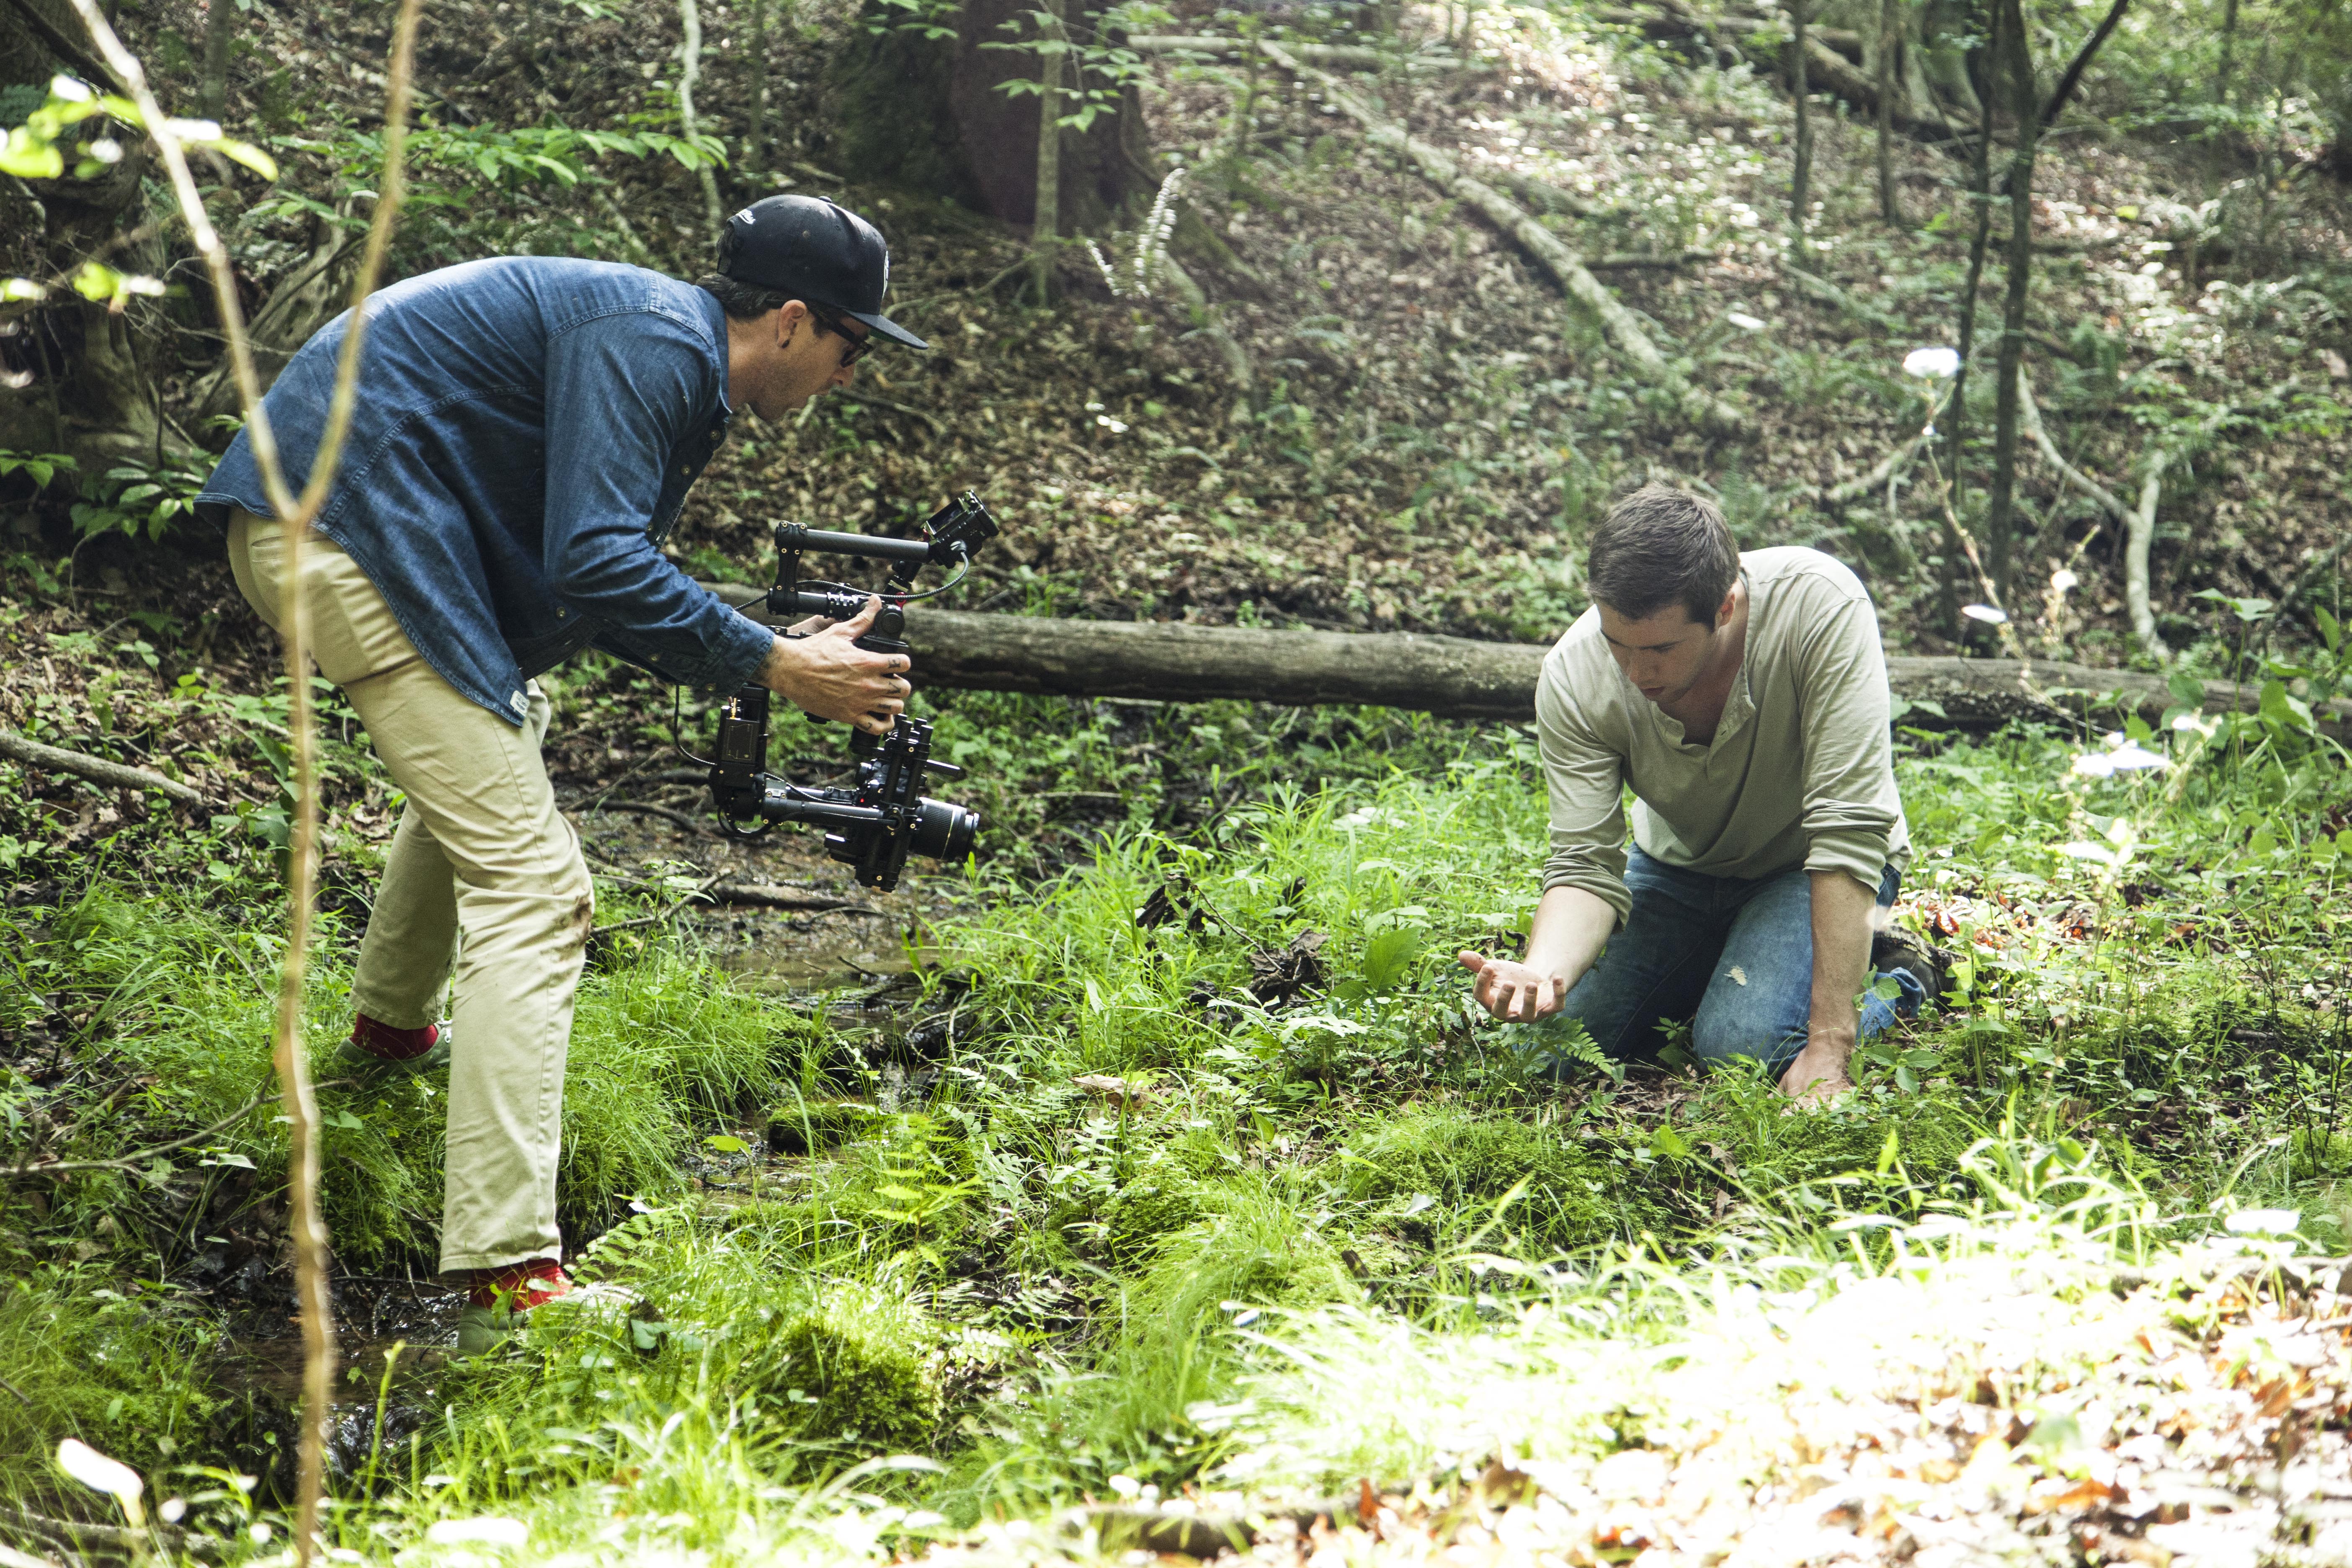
(742, 301)
(1663, 546)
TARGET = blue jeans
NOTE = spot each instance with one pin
(1734, 957)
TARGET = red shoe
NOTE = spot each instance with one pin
(376, 1048)
(497, 1298)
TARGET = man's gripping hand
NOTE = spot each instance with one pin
(1511, 991)
(826, 673)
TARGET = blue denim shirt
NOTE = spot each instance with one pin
(526, 431)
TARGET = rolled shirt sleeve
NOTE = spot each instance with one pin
(1585, 779)
(1850, 810)
(619, 403)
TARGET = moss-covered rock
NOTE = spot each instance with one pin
(814, 1126)
(865, 1379)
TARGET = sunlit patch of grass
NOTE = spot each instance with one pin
(1774, 1344)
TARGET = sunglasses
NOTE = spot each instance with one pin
(859, 347)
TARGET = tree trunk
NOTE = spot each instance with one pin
(73, 375)
(2228, 50)
(299, 305)
(2017, 65)
(689, 69)
(1889, 41)
(1955, 407)
(2138, 537)
(1044, 228)
(1800, 178)
(1456, 677)
(931, 115)
(220, 32)
(755, 148)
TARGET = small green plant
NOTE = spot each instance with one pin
(40, 468)
(143, 499)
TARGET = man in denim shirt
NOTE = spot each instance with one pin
(525, 434)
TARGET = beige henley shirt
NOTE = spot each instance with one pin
(1800, 771)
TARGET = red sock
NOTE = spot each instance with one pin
(392, 1045)
(518, 1286)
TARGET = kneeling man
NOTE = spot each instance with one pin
(1743, 697)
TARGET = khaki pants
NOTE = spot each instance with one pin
(480, 847)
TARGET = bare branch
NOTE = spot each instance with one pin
(145, 1157)
(308, 1233)
(97, 770)
(2081, 62)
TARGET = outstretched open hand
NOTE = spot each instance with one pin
(1511, 991)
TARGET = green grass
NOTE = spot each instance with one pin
(93, 1360)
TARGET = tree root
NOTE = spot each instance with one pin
(1229, 348)
(1825, 68)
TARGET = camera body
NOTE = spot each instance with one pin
(876, 823)
(872, 826)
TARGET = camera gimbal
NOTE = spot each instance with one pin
(878, 822)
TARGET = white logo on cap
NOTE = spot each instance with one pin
(746, 215)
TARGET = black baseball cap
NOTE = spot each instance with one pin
(817, 252)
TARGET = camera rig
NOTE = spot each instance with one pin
(878, 822)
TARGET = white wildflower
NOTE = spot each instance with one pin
(1935, 364)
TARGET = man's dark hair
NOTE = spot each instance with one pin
(742, 301)
(1663, 546)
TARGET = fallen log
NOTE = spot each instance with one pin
(1544, 195)
(1827, 70)
(1459, 677)
(1338, 57)
(1444, 171)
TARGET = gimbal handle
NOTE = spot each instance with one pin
(796, 537)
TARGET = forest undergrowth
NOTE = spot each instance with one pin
(1186, 1176)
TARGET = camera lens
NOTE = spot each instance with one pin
(944, 830)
